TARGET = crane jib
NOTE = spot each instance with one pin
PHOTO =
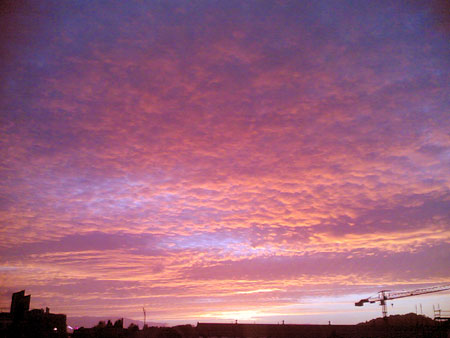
(386, 295)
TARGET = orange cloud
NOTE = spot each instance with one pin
(253, 153)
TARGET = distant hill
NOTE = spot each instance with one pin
(410, 319)
(87, 321)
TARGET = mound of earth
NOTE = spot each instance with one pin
(410, 319)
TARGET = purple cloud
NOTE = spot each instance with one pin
(148, 148)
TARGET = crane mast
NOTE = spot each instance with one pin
(385, 295)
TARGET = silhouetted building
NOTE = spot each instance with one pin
(5, 322)
(20, 322)
(20, 304)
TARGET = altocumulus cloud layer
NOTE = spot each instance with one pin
(208, 157)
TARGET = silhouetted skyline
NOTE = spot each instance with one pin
(256, 161)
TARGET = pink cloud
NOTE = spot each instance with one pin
(156, 154)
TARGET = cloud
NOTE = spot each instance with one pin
(147, 147)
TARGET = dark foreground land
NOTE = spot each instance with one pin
(321, 331)
(40, 324)
(203, 330)
(399, 328)
(274, 331)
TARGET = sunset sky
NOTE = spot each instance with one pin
(221, 160)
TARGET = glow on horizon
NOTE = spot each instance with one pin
(261, 160)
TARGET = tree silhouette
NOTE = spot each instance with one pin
(118, 323)
(101, 324)
(133, 327)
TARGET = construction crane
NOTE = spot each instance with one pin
(385, 295)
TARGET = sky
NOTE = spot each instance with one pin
(224, 160)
